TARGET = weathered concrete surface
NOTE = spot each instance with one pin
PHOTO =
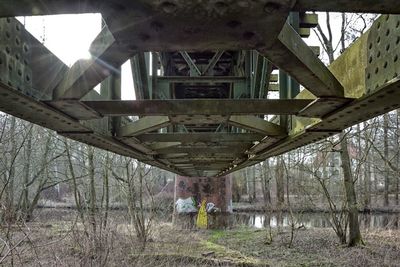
(217, 190)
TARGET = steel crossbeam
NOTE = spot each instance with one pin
(205, 108)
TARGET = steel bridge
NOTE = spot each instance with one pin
(202, 74)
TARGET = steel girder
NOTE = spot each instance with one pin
(217, 52)
(11, 8)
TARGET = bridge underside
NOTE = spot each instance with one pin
(205, 76)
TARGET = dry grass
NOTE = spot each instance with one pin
(58, 241)
(316, 247)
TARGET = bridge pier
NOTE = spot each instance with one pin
(216, 190)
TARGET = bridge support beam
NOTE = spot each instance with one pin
(216, 190)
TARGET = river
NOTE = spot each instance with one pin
(315, 219)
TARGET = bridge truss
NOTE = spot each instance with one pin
(202, 74)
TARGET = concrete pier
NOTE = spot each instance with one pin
(216, 190)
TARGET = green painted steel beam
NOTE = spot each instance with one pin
(26, 64)
(257, 125)
(304, 32)
(217, 26)
(294, 21)
(162, 145)
(259, 71)
(45, 70)
(197, 107)
(355, 6)
(375, 93)
(273, 87)
(194, 70)
(154, 75)
(266, 78)
(140, 76)
(10, 8)
(143, 125)
(359, 85)
(201, 79)
(308, 20)
(193, 156)
(274, 78)
(239, 150)
(214, 60)
(200, 137)
(226, 161)
(111, 89)
(85, 74)
(291, 54)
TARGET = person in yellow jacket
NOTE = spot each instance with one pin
(202, 220)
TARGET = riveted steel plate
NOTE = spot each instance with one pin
(323, 106)
(75, 109)
(198, 119)
(383, 52)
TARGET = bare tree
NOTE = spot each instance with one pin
(386, 155)
(279, 177)
(327, 43)
(354, 227)
(137, 188)
(265, 182)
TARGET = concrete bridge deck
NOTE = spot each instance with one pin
(205, 111)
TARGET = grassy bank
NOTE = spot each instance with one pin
(59, 241)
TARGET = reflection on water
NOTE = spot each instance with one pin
(316, 220)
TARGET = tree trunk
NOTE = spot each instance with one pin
(10, 209)
(246, 180)
(360, 181)
(254, 184)
(92, 189)
(386, 153)
(280, 194)
(106, 190)
(325, 171)
(367, 175)
(367, 183)
(76, 193)
(265, 183)
(354, 228)
(287, 174)
(248, 187)
(43, 178)
(26, 176)
(375, 171)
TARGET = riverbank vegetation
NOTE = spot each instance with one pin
(56, 238)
